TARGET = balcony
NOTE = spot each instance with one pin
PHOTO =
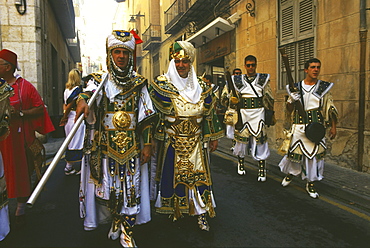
(74, 48)
(152, 37)
(173, 14)
(181, 12)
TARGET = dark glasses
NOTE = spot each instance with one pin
(250, 65)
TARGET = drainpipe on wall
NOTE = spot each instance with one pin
(361, 100)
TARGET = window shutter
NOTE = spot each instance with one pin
(305, 18)
(306, 52)
(291, 52)
(296, 24)
(286, 20)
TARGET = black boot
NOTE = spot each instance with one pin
(261, 171)
(311, 190)
(241, 170)
(126, 239)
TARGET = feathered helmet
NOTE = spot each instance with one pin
(182, 50)
(120, 39)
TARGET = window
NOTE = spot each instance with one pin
(296, 34)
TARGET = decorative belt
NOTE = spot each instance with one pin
(312, 116)
(120, 120)
(251, 102)
(183, 126)
(298, 157)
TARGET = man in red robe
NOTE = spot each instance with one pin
(28, 114)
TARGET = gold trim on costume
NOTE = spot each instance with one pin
(121, 120)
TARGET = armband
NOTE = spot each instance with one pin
(81, 96)
(147, 135)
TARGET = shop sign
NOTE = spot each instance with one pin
(214, 49)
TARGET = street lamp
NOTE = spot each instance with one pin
(133, 19)
(21, 6)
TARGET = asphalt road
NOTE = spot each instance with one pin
(248, 214)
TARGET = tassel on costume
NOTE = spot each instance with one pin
(191, 207)
(112, 199)
(158, 202)
(133, 197)
(176, 211)
(119, 202)
(210, 208)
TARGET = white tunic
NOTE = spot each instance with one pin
(300, 144)
(253, 118)
(312, 168)
(78, 139)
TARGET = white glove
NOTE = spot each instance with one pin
(293, 97)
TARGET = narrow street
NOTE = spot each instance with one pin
(249, 214)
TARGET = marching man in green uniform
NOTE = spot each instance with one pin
(305, 154)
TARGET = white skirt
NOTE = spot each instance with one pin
(311, 169)
(258, 151)
(77, 141)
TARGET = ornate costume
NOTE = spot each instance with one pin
(187, 122)
(254, 95)
(113, 177)
(319, 108)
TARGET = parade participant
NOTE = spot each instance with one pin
(208, 80)
(188, 129)
(114, 174)
(74, 150)
(5, 92)
(321, 113)
(237, 71)
(254, 97)
(28, 114)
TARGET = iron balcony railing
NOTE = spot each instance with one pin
(151, 36)
(174, 13)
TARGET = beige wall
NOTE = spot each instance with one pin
(338, 48)
(18, 35)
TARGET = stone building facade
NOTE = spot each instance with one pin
(42, 33)
(335, 31)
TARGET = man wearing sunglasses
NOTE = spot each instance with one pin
(305, 155)
(254, 95)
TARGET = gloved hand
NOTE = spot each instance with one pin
(293, 97)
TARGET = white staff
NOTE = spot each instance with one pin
(61, 151)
